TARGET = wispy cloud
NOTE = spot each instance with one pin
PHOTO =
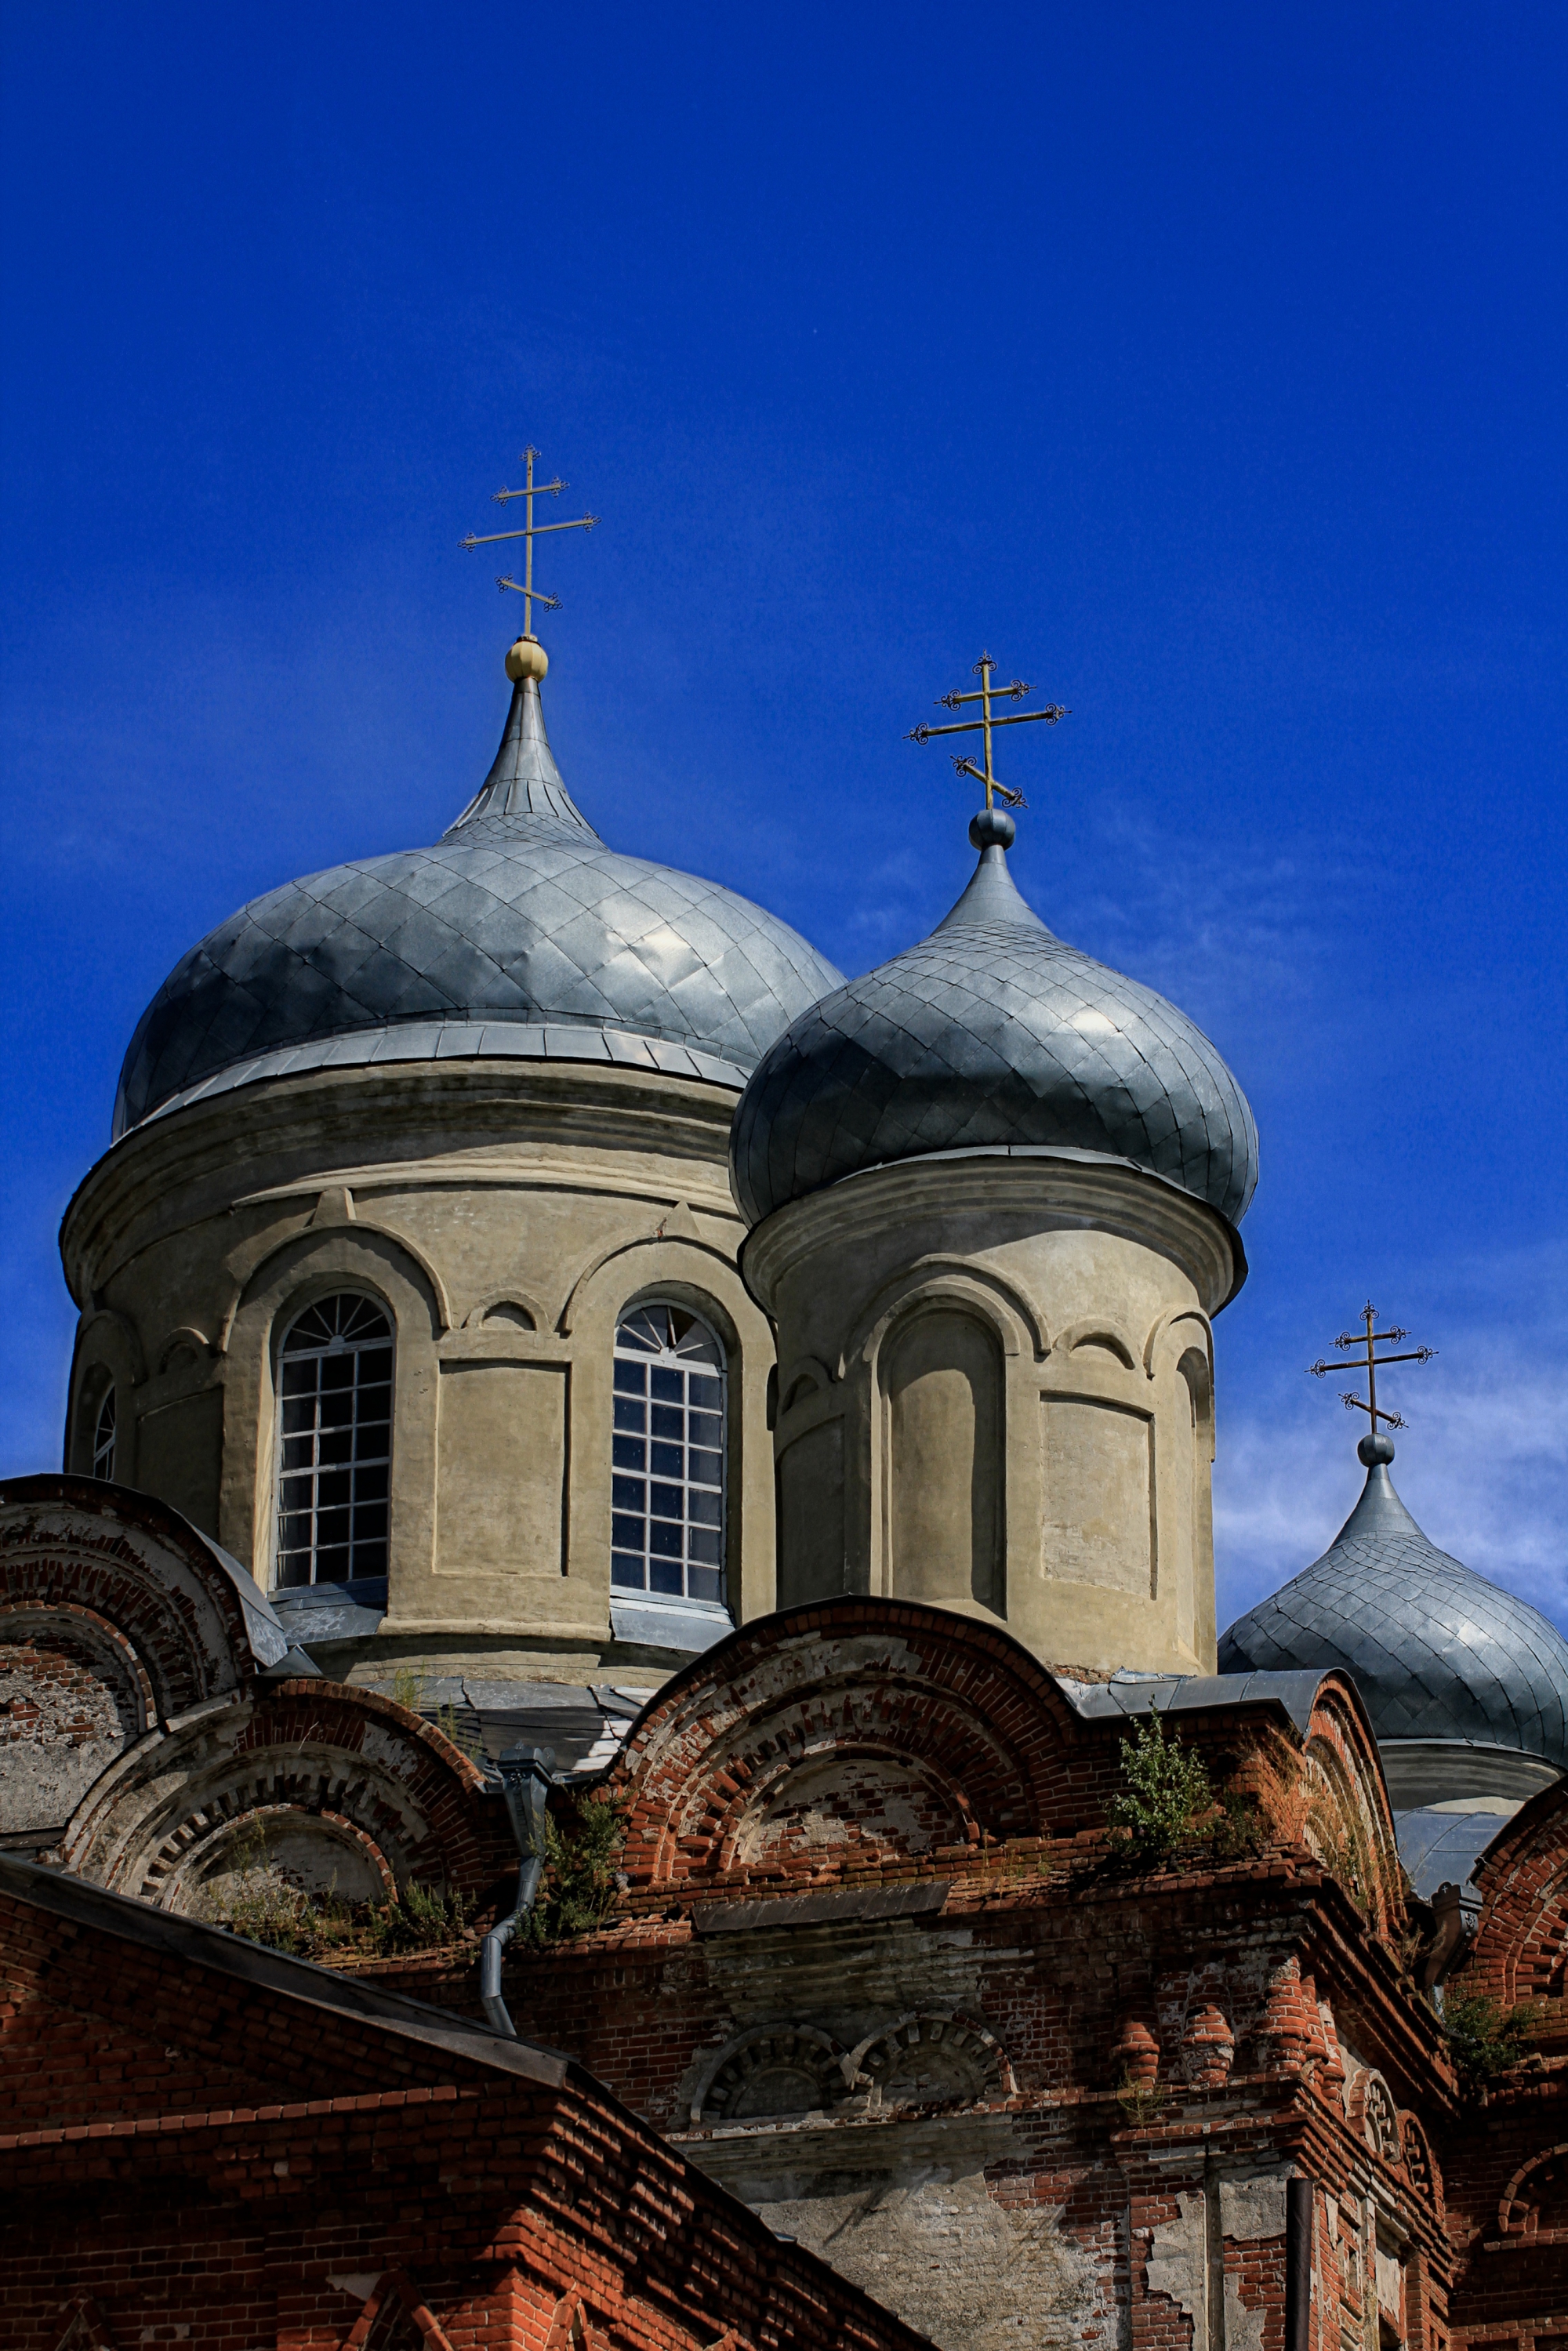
(1217, 923)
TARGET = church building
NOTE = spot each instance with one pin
(552, 1351)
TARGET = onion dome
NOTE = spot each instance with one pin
(1441, 1656)
(519, 934)
(992, 1034)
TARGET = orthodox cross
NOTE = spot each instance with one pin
(1371, 1339)
(530, 532)
(984, 724)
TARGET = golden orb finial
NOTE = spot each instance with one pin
(527, 658)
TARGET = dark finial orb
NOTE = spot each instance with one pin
(992, 828)
(1373, 1450)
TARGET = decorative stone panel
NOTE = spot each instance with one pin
(929, 2060)
(775, 2069)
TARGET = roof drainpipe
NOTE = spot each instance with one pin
(1298, 2262)
(525, 1780)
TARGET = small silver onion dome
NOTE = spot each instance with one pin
(1438, 1654)
(520, 934)
(992, 1033)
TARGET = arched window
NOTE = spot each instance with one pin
(334, 1442)
(103, 1436)
(667, 1531)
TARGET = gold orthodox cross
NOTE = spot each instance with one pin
(1371, 1339)
(984, 724)
(530, 532)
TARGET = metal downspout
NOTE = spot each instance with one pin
(525, 1781)
(1298, 2263)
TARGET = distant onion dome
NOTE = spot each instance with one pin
(1444, 1660)
(520, 934)
(992, 1034)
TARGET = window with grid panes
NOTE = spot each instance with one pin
(103, 1438)
(667, 1531)
(334, 1442)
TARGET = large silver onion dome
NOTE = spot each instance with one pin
(992, 1033)
(1439, 1655)
(520, 934)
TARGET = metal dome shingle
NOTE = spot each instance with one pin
(1438, 1652)
(991, 1032)
(519, 934)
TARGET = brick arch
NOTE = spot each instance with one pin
(1344, 1817)
(1521, 1949)
(1520, 2206)
(198, 1626)
(307, 1759)
(931, 2057)
(893, 1696)
(294, 1832)
(1420, 2163)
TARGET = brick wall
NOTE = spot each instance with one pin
(286, 2169)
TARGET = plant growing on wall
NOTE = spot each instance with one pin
(1143, 2102)
(581, 1848)
(1485, 2039)
(1165, 1787)
(260, 1902)
(1238, 1830)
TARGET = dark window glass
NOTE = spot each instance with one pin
(335, 1442)
(103, 1438)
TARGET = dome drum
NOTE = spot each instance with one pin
(995, 1395)
(486, 1087)
(992, 1189)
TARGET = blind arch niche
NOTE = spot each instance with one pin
(942, 1388)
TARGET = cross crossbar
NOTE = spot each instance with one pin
(1365, 1344)
(986, 725)
(527, 534)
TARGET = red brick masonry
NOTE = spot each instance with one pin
(206, 2143)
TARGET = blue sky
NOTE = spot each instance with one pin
(1210, 366)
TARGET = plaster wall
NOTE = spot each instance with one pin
(505, 1216)
(996, 1393)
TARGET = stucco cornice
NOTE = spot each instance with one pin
(458, 1122)
(1020, 1191)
